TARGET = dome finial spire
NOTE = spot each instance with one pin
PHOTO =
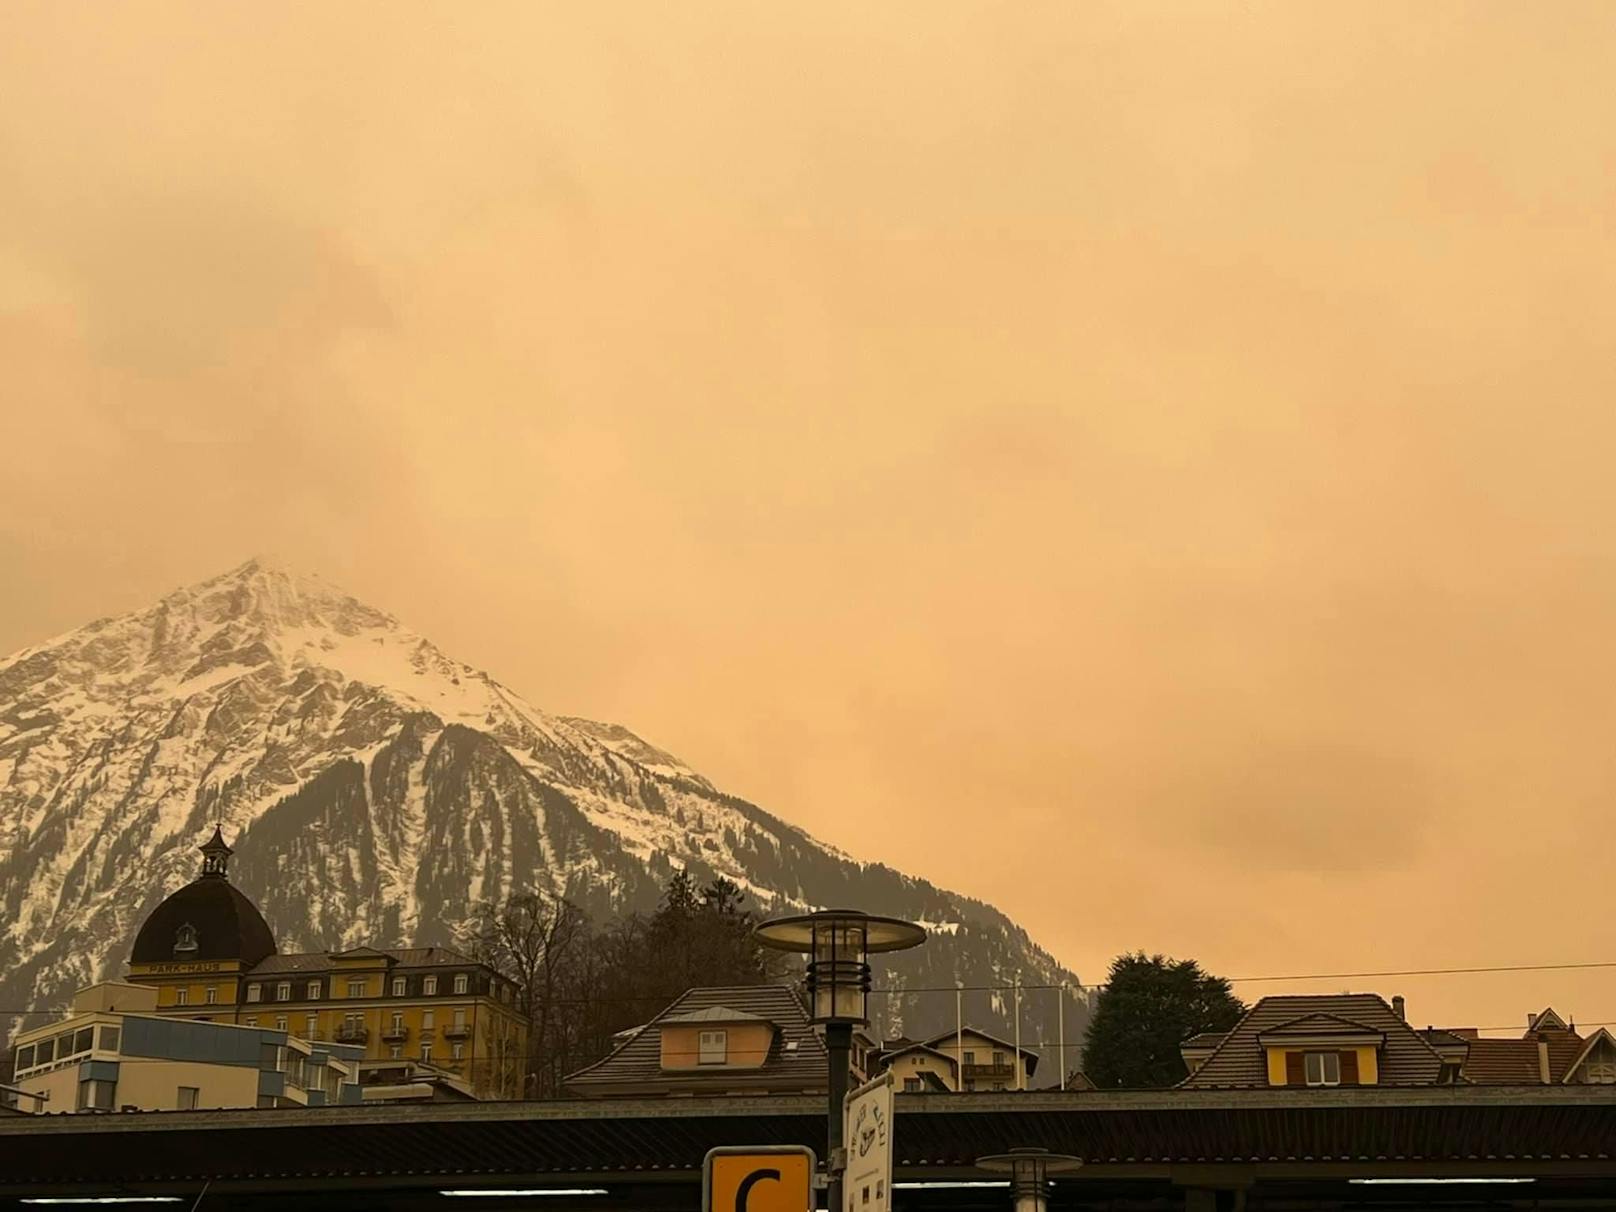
(216, 855)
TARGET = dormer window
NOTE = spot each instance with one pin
(185, 939)
(1322, 1068)
(461, 982)
(713, 1048)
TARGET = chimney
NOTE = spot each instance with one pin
(1543, 1061)
(1398, 1007)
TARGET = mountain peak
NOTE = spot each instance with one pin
(375, 792)
(276, 596)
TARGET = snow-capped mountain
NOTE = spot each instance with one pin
(374, 788)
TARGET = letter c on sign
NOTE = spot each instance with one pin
(747, 1184)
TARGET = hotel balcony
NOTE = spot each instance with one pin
(395, 1035)
(352, 1033)
(457, 1031)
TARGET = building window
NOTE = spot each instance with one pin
(713, 1048)
(1322, 1068)
(461, 982)
(311, 1026)
(186, 1100)
(211, 996)
(398, 1020)
(25, 1057)
(970, 1057)
(251, 1020)
(283, 991)
(254, 992)
(182, 997)
(429, 986)
(455, 1050)
(398, 986)
(111, 1039)
(998, 1085)
(185, 938)
(95, 1095)
(1601, 1073)
(429, 1019)
(911, 1085)
(315, 990)
(280, 1022)
(970, 1084)
(459, 1018)
(356, 988)
(396, 1051)
(426, 1049)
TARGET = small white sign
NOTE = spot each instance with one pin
(867, 1136)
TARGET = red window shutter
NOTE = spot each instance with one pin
(1349, 1068)
(1295, 1074)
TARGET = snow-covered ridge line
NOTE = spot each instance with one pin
(375, 787)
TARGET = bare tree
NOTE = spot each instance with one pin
(534, 939)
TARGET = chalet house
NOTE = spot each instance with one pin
(957, 1061)
(1352, 1039)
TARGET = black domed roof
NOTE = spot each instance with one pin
(208, 919)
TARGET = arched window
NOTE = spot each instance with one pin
(185, 938)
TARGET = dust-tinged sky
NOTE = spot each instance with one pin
(1149, 466)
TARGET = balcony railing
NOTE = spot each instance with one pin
(352, 1033)
(1002, 1069)
(457, 1031)
(395, 1035)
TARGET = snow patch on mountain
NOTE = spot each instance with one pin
(376, 790)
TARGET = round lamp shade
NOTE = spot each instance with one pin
(806, 932)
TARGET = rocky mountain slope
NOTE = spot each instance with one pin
(374, 789)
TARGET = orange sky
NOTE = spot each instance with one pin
(1145, 465)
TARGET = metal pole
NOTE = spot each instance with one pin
(1060, 1017)
(959, 1039)
(1018, 1029)
(838, 1043)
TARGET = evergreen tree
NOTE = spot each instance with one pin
(1149, 1006)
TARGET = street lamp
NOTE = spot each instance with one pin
(1029, 1171)
(838, 943)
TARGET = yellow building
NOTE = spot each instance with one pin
(211, 956)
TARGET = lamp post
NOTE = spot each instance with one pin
(838, 943)
(1029, 1171)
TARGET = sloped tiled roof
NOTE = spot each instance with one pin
(1205, 1039)
(1319, 1024)
(1509, 1062)
(796, 1061)
(713, 1014)
(1240, 1061)
(403, 957)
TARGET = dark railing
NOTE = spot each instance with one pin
(352, 1033)
(457, 1031)
(395, 1035)
(1002, 1069)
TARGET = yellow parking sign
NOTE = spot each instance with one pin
(762, 1178)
